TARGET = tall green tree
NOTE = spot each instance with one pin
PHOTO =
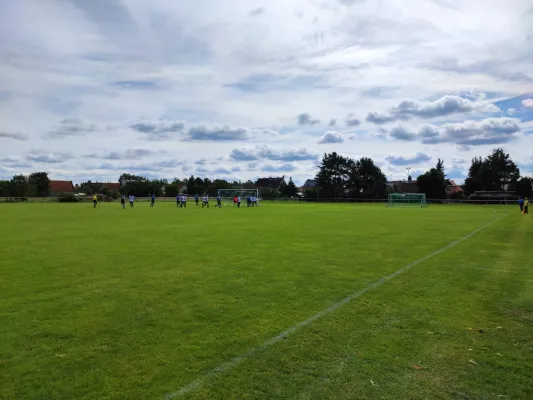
(333, 175)
(366, 180)
(19, 186)
(474, 181)
(173, 188)
(283, 188)
(496, 172)
(524, 187)
(41, 183)
(5, 189)
(136, 185)
(433, 182)
(291, 190)
(503, 172)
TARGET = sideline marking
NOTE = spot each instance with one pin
(221, 368)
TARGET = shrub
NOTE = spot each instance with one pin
(68, 198)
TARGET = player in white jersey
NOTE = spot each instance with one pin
(184, 200)
(205, 201)
(239, 202)
(132, 199)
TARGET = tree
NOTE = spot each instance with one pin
(5, 189)
(495, 172)
(333, 174)
(291, 190)
(173, 188)
(440, 166)
(524, 187)
(433, 182)
(136, 185)
(283, 188)
(158, 186)
(503, 172)
(19, 186)
(367, 180)
(270, 194)
(91, 187)
(41, 183)
(474, 181)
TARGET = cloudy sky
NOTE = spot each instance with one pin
(241, 89)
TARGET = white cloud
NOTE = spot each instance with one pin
(489, 131)
(331, 137)
(13, 135)
(401, 160)
(102, 79)
(528, 103)
(445, 106)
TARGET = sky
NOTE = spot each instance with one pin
(239, 89)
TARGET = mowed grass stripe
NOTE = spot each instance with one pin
(112, 303)
(220, 369)
(411, 339)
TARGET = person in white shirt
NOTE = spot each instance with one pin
(205, 201)
(184, 201)
(239, 202)
(132, 199)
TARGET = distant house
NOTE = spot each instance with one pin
(402, 186)
(57, 188)
(309, 184)
(269, 183)
(452, 188)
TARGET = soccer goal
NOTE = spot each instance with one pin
(227, 195)
(407, 200)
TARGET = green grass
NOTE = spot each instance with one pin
(135, 304)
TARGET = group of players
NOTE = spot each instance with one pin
(181, 201)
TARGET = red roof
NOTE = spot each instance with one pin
(61, 187)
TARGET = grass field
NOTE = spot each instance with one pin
(140, 303)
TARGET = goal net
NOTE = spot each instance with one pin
(227, 195)
(407, 200)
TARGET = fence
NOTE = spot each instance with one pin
(281, 200)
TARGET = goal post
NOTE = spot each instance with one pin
(228, 194)
(407, 200)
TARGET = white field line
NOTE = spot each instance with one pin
(220, 369)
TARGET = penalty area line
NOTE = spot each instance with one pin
(221, 368)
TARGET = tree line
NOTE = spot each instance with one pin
(36, 184)
(337, 177)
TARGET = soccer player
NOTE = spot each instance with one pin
(239, 202)
(152, 200)
(184, 200)
(254, 201)
(95, 200)
(526, 205)
(178, 200)
(123, 201)
(234, 199)
(196, 199)
(219, 204)
(132, 199)
(521, 204)
(248, 201)
(205, 201)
